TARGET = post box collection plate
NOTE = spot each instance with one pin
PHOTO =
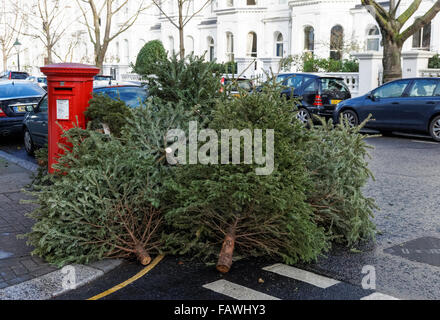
(62, 109)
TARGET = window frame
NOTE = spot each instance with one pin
(413, 83)
(403, 94)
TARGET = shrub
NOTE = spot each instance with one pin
(228, 67)
(350, 65)
(148, 58)
(311, 63)
(103, 110)
(434, 62)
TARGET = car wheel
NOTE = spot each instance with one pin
(28, 143)
(303, 115)
(434, 128)
(351, 117)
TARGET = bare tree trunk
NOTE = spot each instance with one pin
(99, 57)
(392, 55)
(5, 62)
(181, 35)
(49, 54)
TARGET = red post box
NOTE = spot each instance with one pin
(69, 88)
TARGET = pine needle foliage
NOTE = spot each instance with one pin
(337, 159)
(105, 110)
(192, 82)
(269, 214)
(99, 204)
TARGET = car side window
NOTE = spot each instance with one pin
(311, 87)
(295, 81)
(423, 88)
(391, 90)
(43, 105)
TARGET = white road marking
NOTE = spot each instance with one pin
(302, 275)
(236, 291)
(378, 296)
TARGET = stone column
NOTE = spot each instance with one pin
(370, 69)
(245, 67)
(414, 61)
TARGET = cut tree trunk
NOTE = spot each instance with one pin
(392, 63)
(142, 255)
(225, 258)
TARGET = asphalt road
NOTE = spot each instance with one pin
(405, 257)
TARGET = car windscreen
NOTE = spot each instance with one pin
(18, 90)
(242, 84)
(132, 96)
(99, 78)
(332, 84)
(19, 75)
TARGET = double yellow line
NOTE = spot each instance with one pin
(131, 280)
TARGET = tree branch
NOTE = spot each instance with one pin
(403, 18)
(421, 22)
(158, 5)
(380, 15)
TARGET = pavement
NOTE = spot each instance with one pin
(23, 276)
(16, 263)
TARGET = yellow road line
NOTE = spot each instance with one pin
(132, 279)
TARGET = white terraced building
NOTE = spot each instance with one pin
(252, 32)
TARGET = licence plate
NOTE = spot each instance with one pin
(20, 109)
(335, 101)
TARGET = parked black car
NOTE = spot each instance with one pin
(14, 75)
(15, 97)
(407, 105)
(317, 94)
(35, 126)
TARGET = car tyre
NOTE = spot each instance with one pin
(28, 143)
(351, 116)
(303, 115)
(434, 128)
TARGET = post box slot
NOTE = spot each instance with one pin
(63, 89)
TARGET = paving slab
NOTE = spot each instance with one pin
(23, 276)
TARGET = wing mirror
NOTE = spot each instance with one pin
(371, 96)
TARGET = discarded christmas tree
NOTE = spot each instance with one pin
(229, 206)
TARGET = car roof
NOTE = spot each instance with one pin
(18, 81)
(311, 75)
(419, 78)
(114, 85)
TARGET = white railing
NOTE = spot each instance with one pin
(430, 73)
(131, 77)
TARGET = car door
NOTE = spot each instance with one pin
(309, 92)
(37, 123)
(418, 105)
(384, 105)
